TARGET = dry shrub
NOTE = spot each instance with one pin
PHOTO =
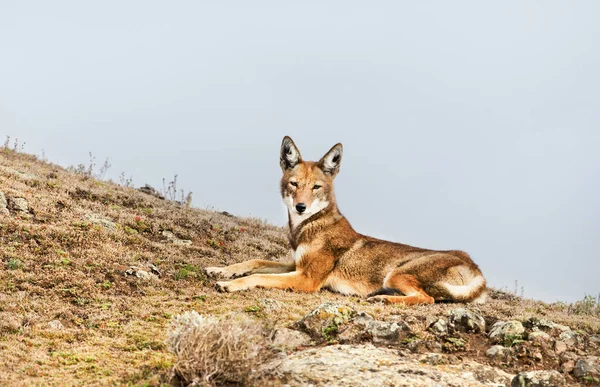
(212, 351)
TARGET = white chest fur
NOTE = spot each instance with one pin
(299, 253)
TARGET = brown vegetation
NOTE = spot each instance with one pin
(112, 265)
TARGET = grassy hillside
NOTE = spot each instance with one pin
(91, 273)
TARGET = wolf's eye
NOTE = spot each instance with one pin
(316, 186)
(293, 183)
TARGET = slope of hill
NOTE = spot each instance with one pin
(91, 274)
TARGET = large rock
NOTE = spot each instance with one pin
(465, 320)
(570, 338)
(551, 378)
(366, 365)
(506, 330)
(325, 320)
(588, 367)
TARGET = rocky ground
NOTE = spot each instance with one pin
(340, 346)
(92, 273)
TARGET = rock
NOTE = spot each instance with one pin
(140, 273)
(440, 327)
(100, 221)
(366, 365)
(3, 201)
(570, 338)
(539, 336)
(364, 326)
(545, 325)
(176, 241)
(149, 190)
(383, 331)
(498, 352)
(3, 204)
(588, 367)
(154, 269)
(595, 339)
(464, 320)
(287, 339)
(269, 304)
(538, 378)
(567, 366)
(18, 205)
(325, 320)
(505, 330)
(568, 355)
(559, 347)
(55, 325)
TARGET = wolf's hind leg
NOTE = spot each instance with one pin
(406, 284)
(253, 266)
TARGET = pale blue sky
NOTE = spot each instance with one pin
(470, 125)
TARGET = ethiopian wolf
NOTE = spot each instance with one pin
(328, 253)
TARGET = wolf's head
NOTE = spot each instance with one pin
(307, 186)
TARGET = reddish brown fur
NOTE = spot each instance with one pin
(329, 253)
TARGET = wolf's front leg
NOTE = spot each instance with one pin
(252, 266)
(294, 281)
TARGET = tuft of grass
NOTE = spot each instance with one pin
(14, 264)
(216, 351)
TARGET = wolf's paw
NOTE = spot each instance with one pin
(223, 272)
(229, 286)
(376, 299)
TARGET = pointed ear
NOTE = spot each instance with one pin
(330, 163)
(289, 155)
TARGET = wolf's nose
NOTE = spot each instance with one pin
(300, 207)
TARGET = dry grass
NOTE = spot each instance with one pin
(60, 263)
(214, 351)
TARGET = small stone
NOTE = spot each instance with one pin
(505, 330)
(440, 327)
(154, 269)
(141, 274)
(55, 325)
(588, 367)
(270, 304)
(538, 379)
(176, 241)
(325, 320)
(3, 201)
(382, 331)
(539, 335)
(100, 221)
(560, 346)
(498, 352)
(18, 205)
(595, 339)
(286, 339)
(464, 320)
(567, 366)
(149, 190)
(568, 355)
(570, 338)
